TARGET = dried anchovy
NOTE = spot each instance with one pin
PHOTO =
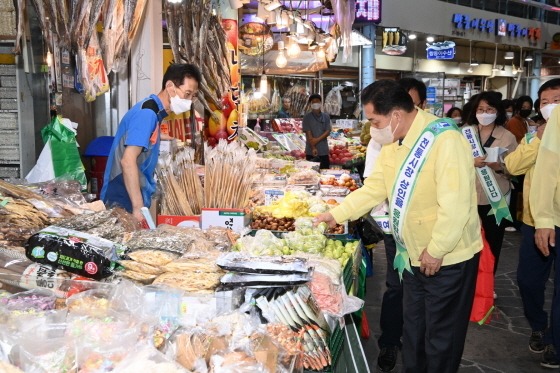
(158, 239)
(84, 223)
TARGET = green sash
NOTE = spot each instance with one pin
(486, 177)
(405, 184)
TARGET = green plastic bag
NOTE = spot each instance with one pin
(65, 156)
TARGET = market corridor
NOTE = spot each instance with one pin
(498, 347)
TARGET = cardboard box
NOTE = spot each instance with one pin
(179, 221)
(233, 219)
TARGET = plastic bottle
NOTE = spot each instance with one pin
(258, 125)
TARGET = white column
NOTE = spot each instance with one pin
(146, 64)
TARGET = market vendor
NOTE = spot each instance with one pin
(434, 222)
(129, 176)
(317, 127)
(284, 112)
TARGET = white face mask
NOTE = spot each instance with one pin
(316, 106)
(457, 120)
(509, 115)
(547, 110)
(179, 105)
(384, 135)
(486, 119)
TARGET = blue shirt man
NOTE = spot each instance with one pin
(129, 177)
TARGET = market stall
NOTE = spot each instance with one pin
(250, 286)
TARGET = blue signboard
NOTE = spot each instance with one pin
(441, 51)
(431, 95)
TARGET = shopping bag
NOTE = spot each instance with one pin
(43, 170)
(64, 151)
(483, 304)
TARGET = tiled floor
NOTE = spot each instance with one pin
(498, 347)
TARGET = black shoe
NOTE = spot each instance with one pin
(536, 342)
(387, 359)
(549, 358)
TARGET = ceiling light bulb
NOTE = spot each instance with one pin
(430, 39)
(470, 70)
(509, 56)
(49, 59)
(529, 58)
(294, 50)
(264, 84)
(321, 53)
(281, 60)
(412, 36)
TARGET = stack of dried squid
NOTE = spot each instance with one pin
(197, 37)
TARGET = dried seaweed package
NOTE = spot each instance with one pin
(76, 252)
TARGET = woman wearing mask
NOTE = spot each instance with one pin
(489, 117)
(520, 124)
(508, 107)
(455, 114)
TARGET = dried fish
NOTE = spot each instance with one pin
(20, 24)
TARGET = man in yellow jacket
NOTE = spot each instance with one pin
(440, 229)
(533, 270)
(544, 202)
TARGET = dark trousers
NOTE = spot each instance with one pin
(324, 159)
(516, 201)
(494, 232)
(532, 276)
(392, 305)
(436, 317)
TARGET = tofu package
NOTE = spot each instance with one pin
(76, 252)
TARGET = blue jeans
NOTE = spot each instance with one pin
(533, 272)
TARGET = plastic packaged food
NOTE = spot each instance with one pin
(74, 251)
(141, 267)
(88, 300)
(202, 282)
(207, 264)
(154, 258)
(268, 265)
(305, 177)
(148, 359)
(142, 278)
(246, 279)
(30, 301)
(159, 239)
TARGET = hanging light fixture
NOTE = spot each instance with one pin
(474, 62)
(293, 50)
(503, 69)
(281, 60)
(49, 59)
(529, 58)
(509, 56)
(412, 36)
(430, 39)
